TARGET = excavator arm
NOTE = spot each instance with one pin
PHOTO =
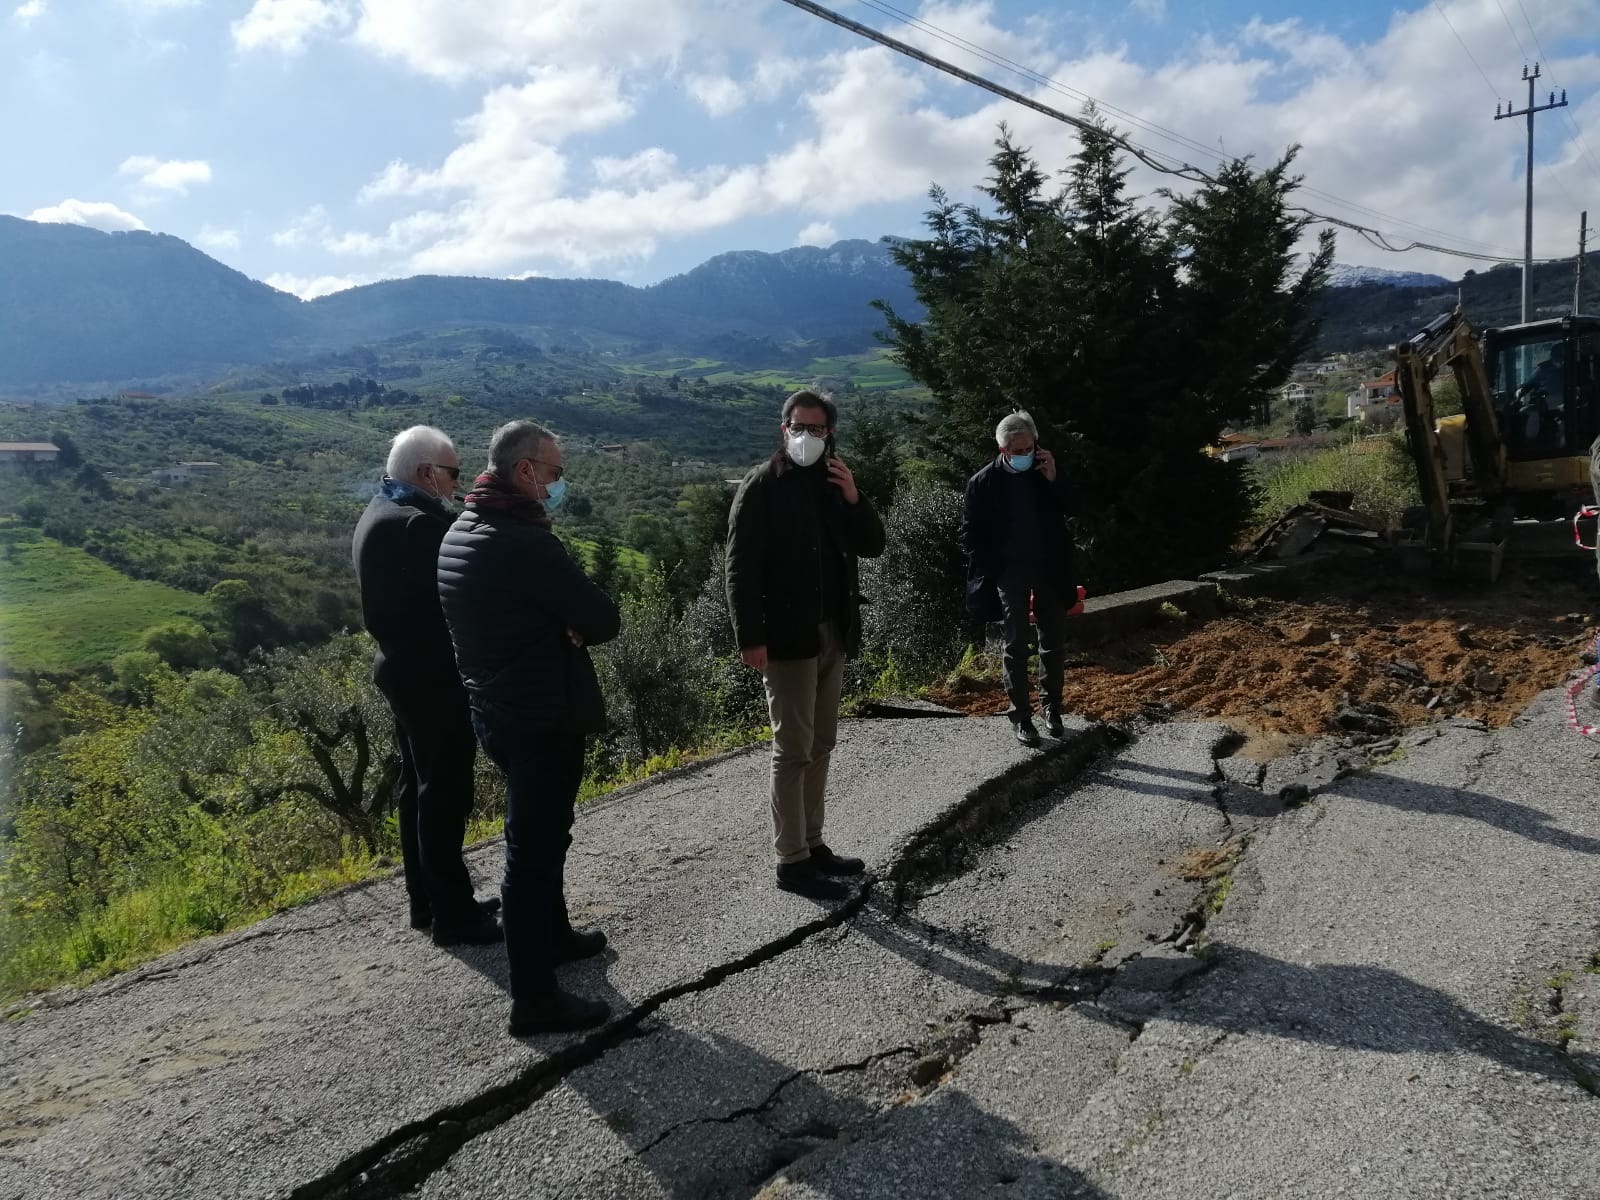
(1449, 340)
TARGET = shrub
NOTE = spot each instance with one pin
(653, 678)
(916, 592)
(1378, 472)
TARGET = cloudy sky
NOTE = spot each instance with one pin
(320, 143)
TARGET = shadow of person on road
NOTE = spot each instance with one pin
(970, 962)
(706, 1116)
(1348, 1006)
(1379, 787)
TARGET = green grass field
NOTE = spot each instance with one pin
(62, 609)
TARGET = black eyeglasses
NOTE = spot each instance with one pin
(819, 431)
(453, 472)
(560, 471)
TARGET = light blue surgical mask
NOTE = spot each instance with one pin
(1020, 462)
(554, 494)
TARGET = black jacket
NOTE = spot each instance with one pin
(783, 520)
(983, 537)
(511, 591)
(396, 552)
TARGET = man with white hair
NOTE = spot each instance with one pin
(396, 551)
(1019, 565)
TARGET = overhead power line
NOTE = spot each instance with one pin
(1183, 170)
(1577, 132)
(1487, 82)
(1027, 72)
(1162, 131)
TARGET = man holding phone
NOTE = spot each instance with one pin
(796, 530)
(1019, 565)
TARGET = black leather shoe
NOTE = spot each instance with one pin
(580, 944)
(1026, 733)
(804, 879)
(484, 931)
(422, 915)
(829, 863)
(555, 1012)
(1053, 724)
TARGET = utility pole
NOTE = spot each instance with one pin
(1577, 280)
(1527, 237)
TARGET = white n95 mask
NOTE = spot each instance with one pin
(804, 448)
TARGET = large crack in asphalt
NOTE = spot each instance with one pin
(403, 1159)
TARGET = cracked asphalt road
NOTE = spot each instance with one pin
(1386, 997)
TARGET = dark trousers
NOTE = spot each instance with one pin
(543, 771)
(436, 786)
(1017, 585)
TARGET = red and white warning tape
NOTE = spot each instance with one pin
(1588, 510)
(1576, 686)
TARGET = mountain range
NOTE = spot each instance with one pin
(79, 305)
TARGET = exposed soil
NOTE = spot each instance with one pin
(1282, 671)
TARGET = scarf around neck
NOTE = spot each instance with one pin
(490, 493)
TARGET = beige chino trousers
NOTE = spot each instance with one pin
(803, 703)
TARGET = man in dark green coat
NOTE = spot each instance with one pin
(795, 532)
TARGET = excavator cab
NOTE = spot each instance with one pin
(1545, 379)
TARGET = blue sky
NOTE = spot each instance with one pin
(320, 143)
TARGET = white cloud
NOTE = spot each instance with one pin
(29, 12)
(211, 238)
(454, 40)
(644, 169)
(818, 233)
(1154, 10)
(97, 214)
(170, 176)
(869, 128)
(287, 25)
(717, 94)
(312, 286)
(311, 226)
(510, 146)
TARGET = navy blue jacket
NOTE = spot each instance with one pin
(983, 537)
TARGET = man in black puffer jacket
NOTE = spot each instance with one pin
(396, 551)
(522, 615)
(1020, 565)
(797, 527)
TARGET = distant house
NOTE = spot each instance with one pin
(1294, 393)
(1376, 399)
(201, 468)
(29, 452)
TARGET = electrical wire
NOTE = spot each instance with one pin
(1577, 131)
(888, 9)
(1493, 91)
(1183, 170)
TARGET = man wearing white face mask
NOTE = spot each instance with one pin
(522, 615)
(796, 530)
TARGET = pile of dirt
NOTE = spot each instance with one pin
(1364, 659)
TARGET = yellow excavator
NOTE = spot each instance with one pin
(1506, 476)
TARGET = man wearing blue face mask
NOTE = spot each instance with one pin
(796, 529)
(522, 615)
(1019, 556)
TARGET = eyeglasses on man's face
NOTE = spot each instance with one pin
(549, 466)
(819, 431)
(453, 472)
